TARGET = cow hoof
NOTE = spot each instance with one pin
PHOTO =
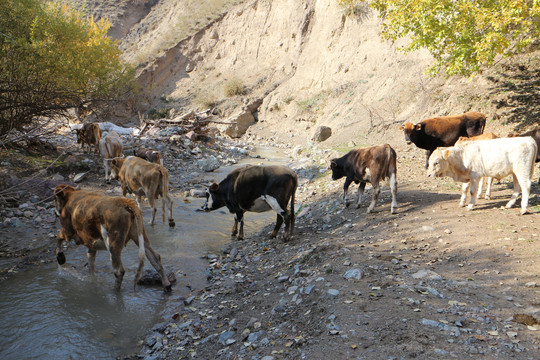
(347, 204)
(172, 224)
(523, 212)
(61, 258)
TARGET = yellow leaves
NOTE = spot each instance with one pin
(462, 35)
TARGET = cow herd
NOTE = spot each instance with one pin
(455, 147)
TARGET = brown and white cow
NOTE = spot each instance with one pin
(89, 136)
(485, 136)
(110, 147)
(497, 158)
(372, 164)
(440, 131)
(144, 178)
(101, 222)
(152, 156)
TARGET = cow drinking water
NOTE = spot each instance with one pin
(256, 189)
(365, 165)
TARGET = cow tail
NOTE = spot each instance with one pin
(140, 234)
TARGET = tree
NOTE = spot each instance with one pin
(464, 36)
(52, 58)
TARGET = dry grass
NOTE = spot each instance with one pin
(234, 87)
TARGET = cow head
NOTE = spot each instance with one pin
(407, 129)
(116, 165)
(80, 135)
(438, 163)
(61, 194)
(213, 199)
(337, 171)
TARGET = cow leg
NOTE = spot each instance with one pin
(489, 182)
(480, 185)
(393, 190)
(155, 260)
(279, 222)
(107, 170)
(515, 193)
(376, 193)
(525, 184)
(168, 201)
(428, 154)
(348, 182)
(234, 230)
(116, 260)
(91, 256)
(60, 238)
(361, 188)
(464, 190)
(241, 221)
(473, 190)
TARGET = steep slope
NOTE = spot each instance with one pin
(313, 65)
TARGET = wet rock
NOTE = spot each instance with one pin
(151, 277)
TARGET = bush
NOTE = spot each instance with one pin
(234, 87)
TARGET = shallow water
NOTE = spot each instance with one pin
(52, 312)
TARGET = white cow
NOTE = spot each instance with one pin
(110, 147)
(496, 158)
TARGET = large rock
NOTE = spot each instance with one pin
(208, 164)
(322, 133)
(239, 123)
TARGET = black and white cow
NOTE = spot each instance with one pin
(256, 189)
(373, 164)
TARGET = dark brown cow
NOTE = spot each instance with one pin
(364, 165)
(89, 136)
(152, 156)
(440, 131)
(101, 222)
(143, 178)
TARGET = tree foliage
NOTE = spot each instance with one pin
(464, 36)
(52, 58)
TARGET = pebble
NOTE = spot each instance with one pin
(356, 274)
(332, 293)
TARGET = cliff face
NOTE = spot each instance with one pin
(311, 65)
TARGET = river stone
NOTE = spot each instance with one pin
(353, 274)
(79, 177)
(226, 337)
(199, 193)
(151, 277)
(208, 164)
(332, 293)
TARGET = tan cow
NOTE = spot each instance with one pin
(486, 136)
(101, 222)
(89, 135)
(152, 156)
(110, 147)
(143, 178)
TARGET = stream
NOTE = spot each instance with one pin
(53, 312)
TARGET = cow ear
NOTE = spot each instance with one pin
(333, 163)
(214, 187)
(418, 126)
(401, 128)
(446, 154)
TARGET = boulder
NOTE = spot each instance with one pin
(322, 133)
(239, 123)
